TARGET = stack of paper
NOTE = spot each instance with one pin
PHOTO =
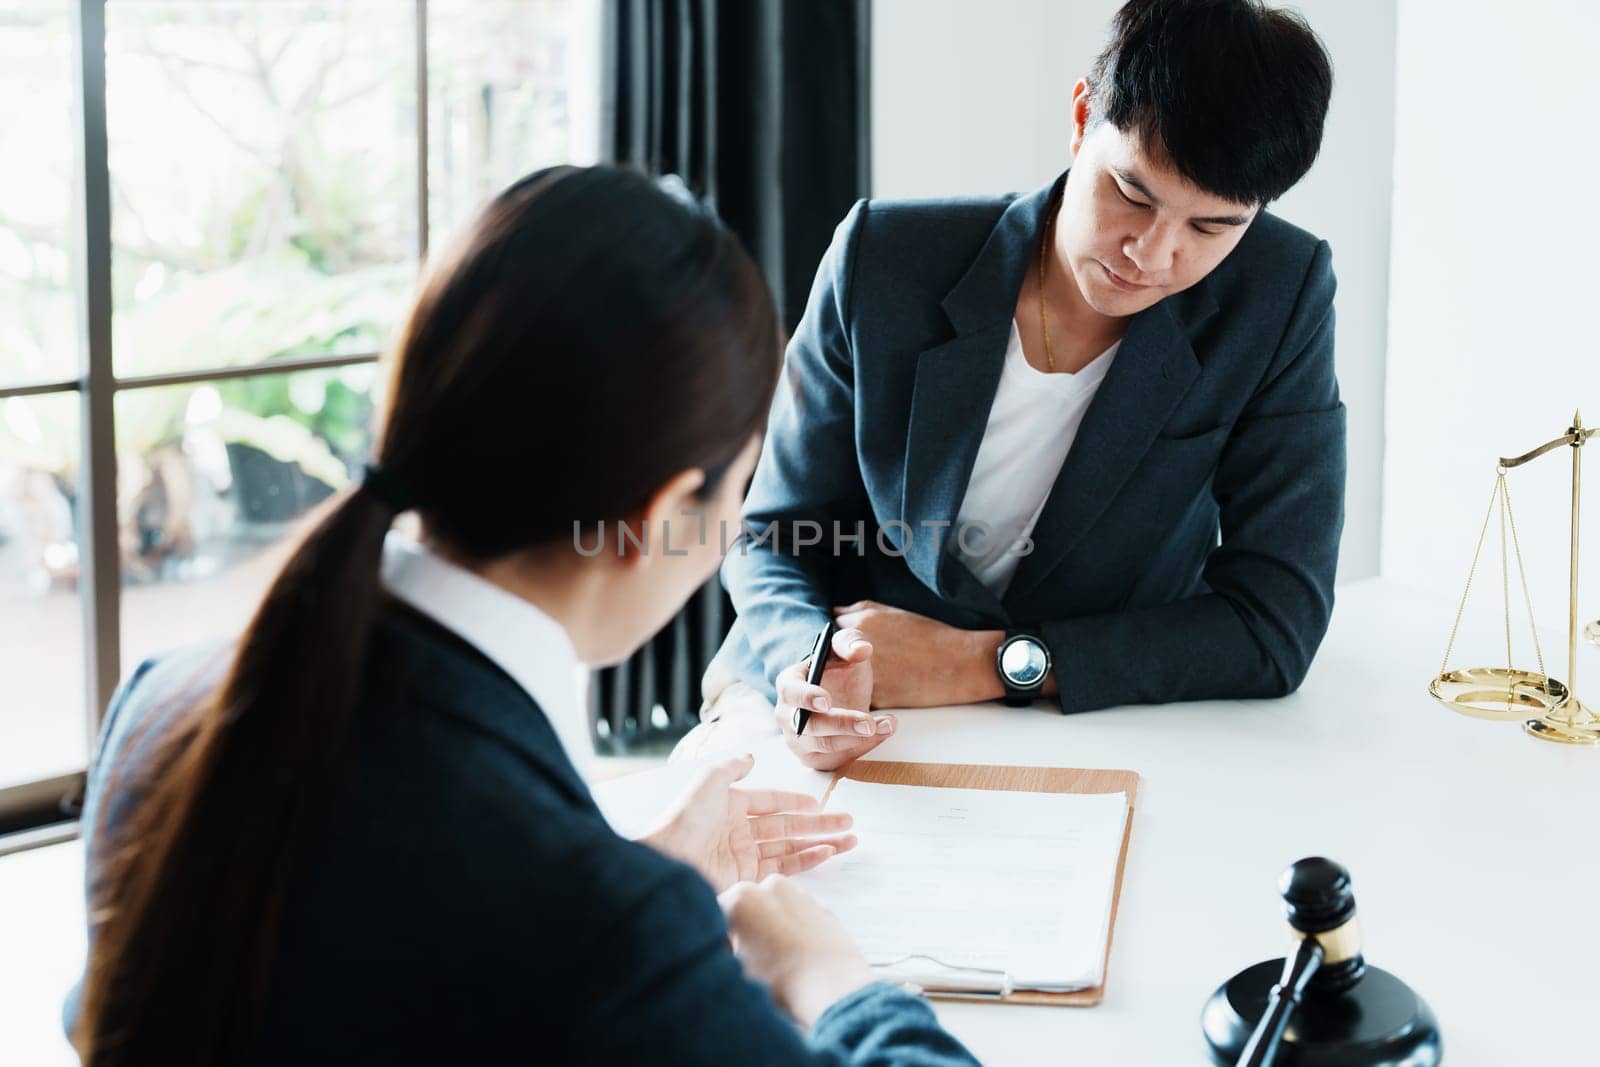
(975, 889)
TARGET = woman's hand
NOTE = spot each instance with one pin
(737, 835)
(839, 728)
(794, 946)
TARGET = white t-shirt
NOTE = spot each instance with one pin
(1032, 424)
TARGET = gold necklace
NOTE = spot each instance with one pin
(1044, 321)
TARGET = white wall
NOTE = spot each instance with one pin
(972, 98)
(1491, 317)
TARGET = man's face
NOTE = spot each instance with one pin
(1132, 230)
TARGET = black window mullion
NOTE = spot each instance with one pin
(41, 389)
(99, 581)
(421, 22)
(245, 370)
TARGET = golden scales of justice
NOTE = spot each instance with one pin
(1547, 708)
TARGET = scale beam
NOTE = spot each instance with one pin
(1571, 437)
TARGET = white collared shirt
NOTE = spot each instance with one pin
(520, 639)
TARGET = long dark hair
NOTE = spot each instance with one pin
(590, 336)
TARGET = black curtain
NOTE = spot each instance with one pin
(761, 107)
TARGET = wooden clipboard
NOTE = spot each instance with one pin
(1022, 780)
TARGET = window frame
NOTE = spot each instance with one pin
(45, 811)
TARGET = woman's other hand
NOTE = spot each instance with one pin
(794, 946)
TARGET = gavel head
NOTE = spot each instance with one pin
(1320, 906)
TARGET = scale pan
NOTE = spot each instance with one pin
(1582, 729)
(1497, 693)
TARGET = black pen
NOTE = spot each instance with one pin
(819, 663)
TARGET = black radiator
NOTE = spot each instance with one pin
(654, 695)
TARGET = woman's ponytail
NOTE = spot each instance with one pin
(192, 919)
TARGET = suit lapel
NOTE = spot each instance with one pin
(1153, 369)
(950, 404)
(955, 386)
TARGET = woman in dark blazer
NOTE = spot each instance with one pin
(358, 834)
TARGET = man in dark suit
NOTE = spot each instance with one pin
(1084, 444)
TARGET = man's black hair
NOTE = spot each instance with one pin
(1232, 91)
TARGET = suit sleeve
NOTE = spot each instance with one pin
(1268, 586)
(808, 477)
(113, 733)
(669, 990)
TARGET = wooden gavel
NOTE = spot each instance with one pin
(1326, 1008)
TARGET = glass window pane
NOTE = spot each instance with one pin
(263, 172)
(38, 123)
(214, 485)
(42, 720)
(513, 85)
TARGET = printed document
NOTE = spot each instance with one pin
(983, 881)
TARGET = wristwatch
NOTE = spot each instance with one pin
(1023, 663)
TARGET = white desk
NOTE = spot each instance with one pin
(1474, 849)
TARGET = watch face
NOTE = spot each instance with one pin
(1023, 662)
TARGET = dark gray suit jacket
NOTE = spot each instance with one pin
(468, 903)
(1219, 415)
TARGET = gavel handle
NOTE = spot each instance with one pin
(1262, 1048)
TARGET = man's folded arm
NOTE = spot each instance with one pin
(1280, 492)
(808, 479)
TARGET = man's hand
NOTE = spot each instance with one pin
(920, 662)
(741, 835)
(840, 728)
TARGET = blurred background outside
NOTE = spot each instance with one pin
(265, 186)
